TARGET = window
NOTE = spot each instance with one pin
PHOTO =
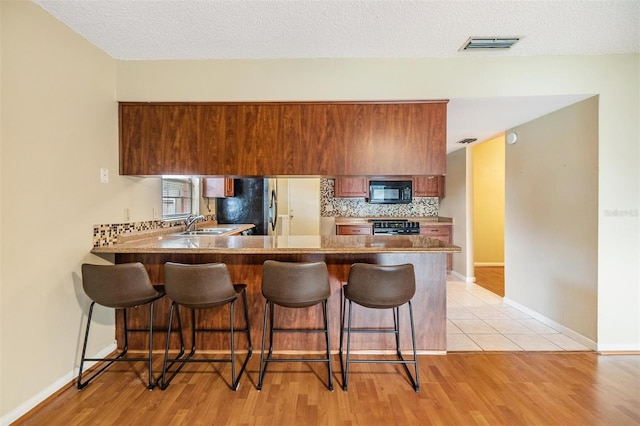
(177, 197)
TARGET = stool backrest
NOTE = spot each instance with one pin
(195, 286)
(295, 284)
(117, 286)
(380, 286)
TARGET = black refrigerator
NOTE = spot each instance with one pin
(254, 201)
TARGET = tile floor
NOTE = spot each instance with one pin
(478, 320)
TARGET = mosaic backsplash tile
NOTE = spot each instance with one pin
(107, 234)
(357, 207)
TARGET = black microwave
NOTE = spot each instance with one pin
(390, 191)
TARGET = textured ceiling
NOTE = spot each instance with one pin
(244, 29)
(199, 29)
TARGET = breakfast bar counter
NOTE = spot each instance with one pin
(244, 256)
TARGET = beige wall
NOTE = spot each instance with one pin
(488, 202)
(551, 260)
(58, 128)
(456, 206)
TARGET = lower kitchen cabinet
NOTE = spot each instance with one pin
(354, 230)
(442, 233)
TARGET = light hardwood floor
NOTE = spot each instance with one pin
(514, 388)
(491, 278)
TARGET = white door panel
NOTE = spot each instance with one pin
(304, 206)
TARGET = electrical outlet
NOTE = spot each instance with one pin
(126, 214)
(155, 213)
(104, 175)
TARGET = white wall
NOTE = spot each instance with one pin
(58, 128)
(551, 217)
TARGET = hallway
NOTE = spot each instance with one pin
(478, 320)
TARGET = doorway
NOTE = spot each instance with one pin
(488, 214)
(299, 199)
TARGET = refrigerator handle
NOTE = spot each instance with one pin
(273, 210)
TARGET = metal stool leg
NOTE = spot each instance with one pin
(263, 367)
(326, 332)
(345, 381)
(235, 380)
(343, 306)
(416, 384)
(152, 383)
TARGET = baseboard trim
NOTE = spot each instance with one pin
(56, 386)
(619, 349)
(462, 277)
(551, 323)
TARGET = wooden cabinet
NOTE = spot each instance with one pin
(428, 186)
(285, 139)
(351, 187)
(354, 230)
(217, 187)
(423, 186)
(153, 140)
(442, 233)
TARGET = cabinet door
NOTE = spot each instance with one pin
(428, 186)
(442, 233)
(351, 187)
(353, 230)
(153, 138)
(258, 139)
(217, 187)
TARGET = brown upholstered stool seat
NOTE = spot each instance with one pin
(120, 286)
(378, 287)
(294, 285)
(200, 287)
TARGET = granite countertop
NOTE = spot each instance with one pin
(424, 221)
(261, 244)
(227, 229)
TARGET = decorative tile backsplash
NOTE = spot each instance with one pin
(107, 235)
(358, 207)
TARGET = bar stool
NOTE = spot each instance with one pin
(200, 287)
(294, 285)
(379, 287)
(120, 286)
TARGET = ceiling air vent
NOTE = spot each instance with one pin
(474, 43)
(468, 140)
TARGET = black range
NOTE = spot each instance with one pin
(394, 227)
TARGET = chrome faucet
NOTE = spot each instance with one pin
(191, 221)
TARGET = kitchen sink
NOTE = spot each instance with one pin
(208, 231)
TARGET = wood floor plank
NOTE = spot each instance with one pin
(509, 388)
(490, 278)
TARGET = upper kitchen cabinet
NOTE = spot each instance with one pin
(428, 186)
(169, 139)
(351, 187)
(217, 187)
(265, 140)
(260, 139)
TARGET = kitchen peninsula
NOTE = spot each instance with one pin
(244, 256)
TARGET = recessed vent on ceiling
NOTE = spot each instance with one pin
(474, 43)
(468, 140)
